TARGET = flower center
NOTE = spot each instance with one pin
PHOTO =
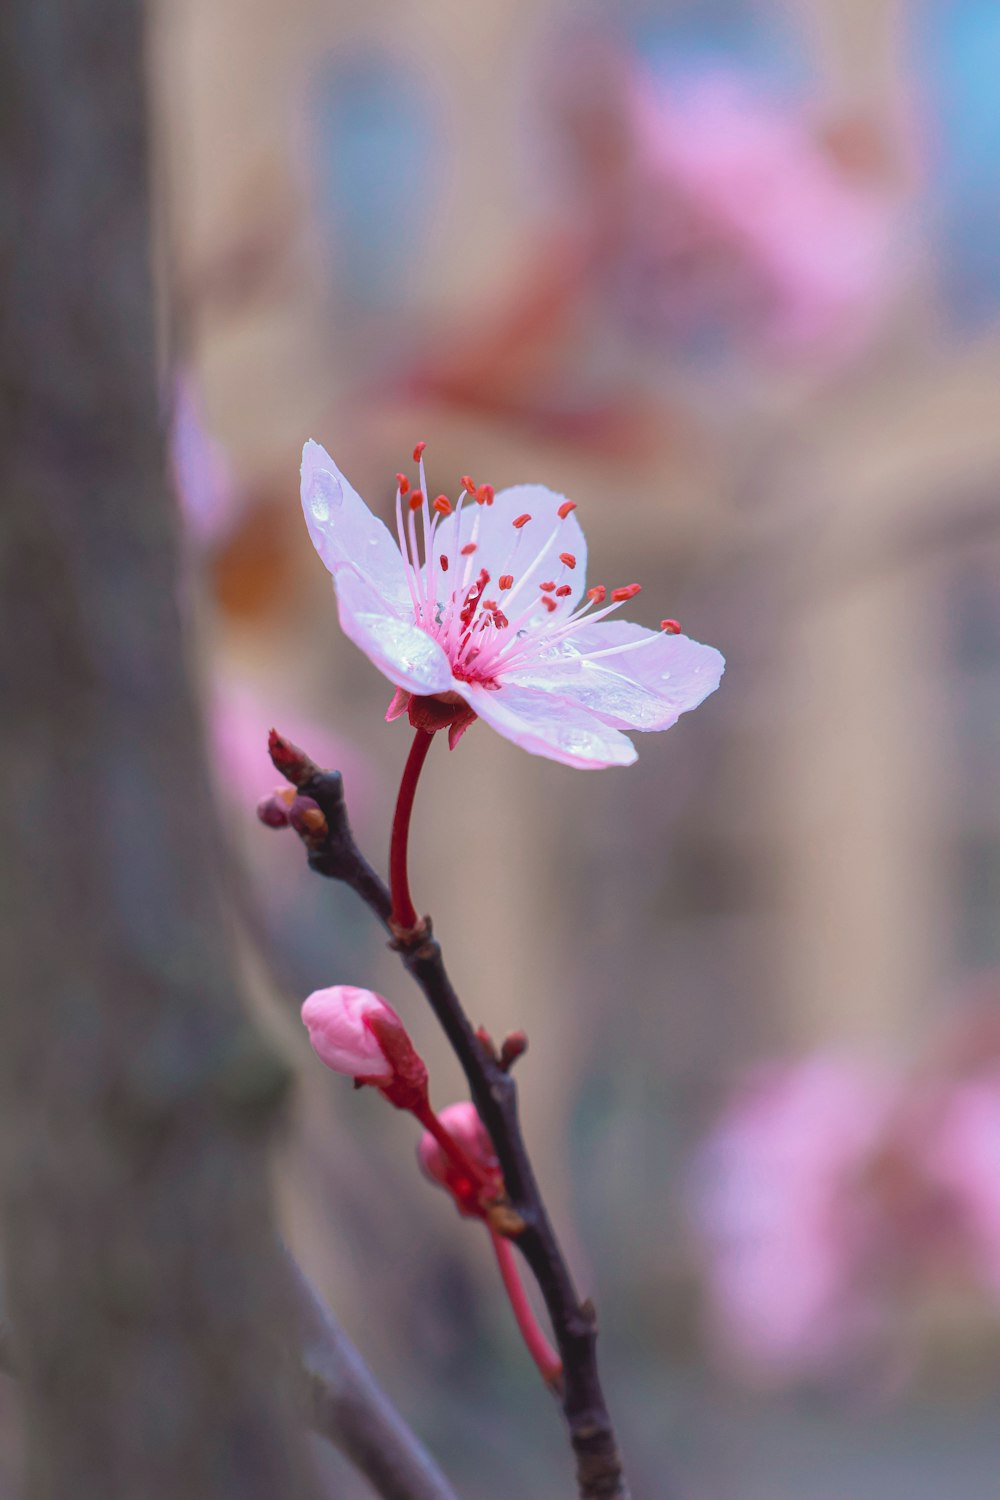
(472, 615)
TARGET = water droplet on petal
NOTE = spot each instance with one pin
(326, 495)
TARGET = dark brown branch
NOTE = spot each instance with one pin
(319, 815)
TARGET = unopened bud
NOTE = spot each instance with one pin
(292, 763)
(273, 811)
(514, 1046)
(357, 1033)
(463, 1124)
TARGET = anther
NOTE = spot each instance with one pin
(402, 483)
(548, 586)
(416, 499)
(418, 452)
(550, 604)
(467, 484)
(565, 509)
(672, 627)
(443, 560)
(567, 559)
(442, 505)
(628, 592)
(484, 494)
(500, 620)
(506, 580)
(468, 549)
(563, 590)
(522, 520)
(598, 593)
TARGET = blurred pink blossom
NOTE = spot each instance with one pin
(241, 713)
(204, 483)
(747, 215)
(828, 1196)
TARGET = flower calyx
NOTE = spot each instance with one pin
(433, 713)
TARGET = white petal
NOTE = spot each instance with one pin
(646, 688)
(501, 548)
(547, 725)
(343, 530)
(404, 653)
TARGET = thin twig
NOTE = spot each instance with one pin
(342, 1403)
(332, 852)
(345, 1404)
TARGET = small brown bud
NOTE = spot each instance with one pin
(514, 1046)
(308, 820)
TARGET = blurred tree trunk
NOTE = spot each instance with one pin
(144, 1288)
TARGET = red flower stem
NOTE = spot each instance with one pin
(429, 1120)
(404, 913)
(541, 1351)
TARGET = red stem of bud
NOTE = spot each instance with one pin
(541, 1351)
(403, 911)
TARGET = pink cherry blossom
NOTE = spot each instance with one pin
(495, 621)
(463, 1124)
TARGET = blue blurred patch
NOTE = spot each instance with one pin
(958, 65)
(698, 36)
(374, 147)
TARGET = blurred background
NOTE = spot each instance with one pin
(728, 275)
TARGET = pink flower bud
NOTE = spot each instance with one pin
(467, 1130)
(356, 1032)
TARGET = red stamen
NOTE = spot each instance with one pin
(484, 494)
(443, 560)
(402, 483)
(550, 604)
(442, 505)
(565, 509)
(416, 499)
(672, 627)
(467, 484)
(598, 593)
(468, 549)
(489, 605)
(506, 580)
(568, 559)
(628, 592)
(563, 590)
(418, 452)
(548, 586)
(500, 620)
(522, 520)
